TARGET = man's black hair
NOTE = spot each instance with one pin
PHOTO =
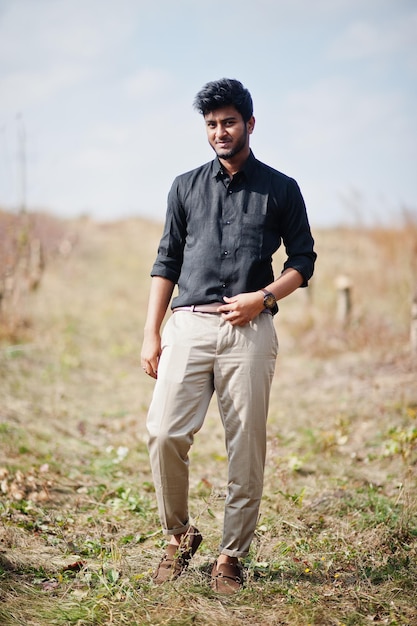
(224, 92)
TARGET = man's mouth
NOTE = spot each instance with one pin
(223, 144)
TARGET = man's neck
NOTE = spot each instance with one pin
(234, 165)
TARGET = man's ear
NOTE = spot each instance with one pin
(250, 125)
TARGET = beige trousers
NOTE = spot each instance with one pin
(202, 353)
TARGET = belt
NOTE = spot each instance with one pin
(207, 308)
(200, 308)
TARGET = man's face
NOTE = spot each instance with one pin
(227, 133)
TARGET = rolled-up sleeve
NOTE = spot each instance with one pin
(169, 259)
(296, 234)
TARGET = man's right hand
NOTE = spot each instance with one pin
(159, 297)
(151, 351)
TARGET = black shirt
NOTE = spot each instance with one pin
(220, 234)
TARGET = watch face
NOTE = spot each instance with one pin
(269, 301)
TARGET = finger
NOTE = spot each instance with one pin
(146, 367)
(152, 368)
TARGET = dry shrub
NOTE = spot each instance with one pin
(379, 265)
(27, 242)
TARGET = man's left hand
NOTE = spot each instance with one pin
(243, 308)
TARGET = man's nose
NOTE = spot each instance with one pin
(220, 131)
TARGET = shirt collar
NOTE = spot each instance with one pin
(247, 169)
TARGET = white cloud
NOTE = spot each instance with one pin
(23, 89)
(333, 113)
(75, 28)
(49, 46)
(373, 38)
(147, 82)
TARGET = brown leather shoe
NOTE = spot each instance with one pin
(226, 578)
(176, 558)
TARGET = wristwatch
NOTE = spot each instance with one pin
(270, 301)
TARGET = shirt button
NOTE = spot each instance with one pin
(224, 285)
(225, 253)
(228, 223)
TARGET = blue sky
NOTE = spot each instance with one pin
(102, 91)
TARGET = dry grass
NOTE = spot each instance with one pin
(27, 242)
(337, 538)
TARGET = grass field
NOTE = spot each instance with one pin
(336, 542)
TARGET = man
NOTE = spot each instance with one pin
(224, 221)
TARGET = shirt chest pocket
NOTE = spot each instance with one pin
(251, 234)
